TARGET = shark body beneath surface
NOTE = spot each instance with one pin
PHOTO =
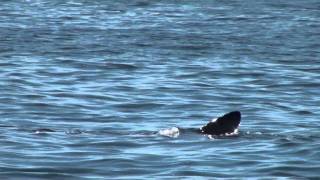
(225, 125)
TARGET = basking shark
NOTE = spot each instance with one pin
(225, 125)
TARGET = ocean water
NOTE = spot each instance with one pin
(85, 86)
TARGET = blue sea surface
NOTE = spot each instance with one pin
(85, 86)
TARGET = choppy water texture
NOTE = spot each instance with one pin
(85, 86)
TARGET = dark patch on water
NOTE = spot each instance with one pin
(120, 66)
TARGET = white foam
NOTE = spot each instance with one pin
(234, 133)
(171, 132)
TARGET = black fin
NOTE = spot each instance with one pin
(224, 124)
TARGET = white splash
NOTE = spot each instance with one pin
(171, 132)
(234, 133)
(214, 120)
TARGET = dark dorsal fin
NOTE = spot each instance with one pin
(224, 124)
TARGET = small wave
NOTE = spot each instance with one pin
(43, 131)
(74, 131)
(121, 66)
(303, 112)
